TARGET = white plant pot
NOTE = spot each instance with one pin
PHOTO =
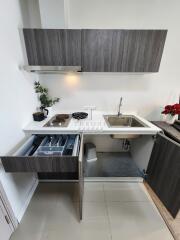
(170, 119)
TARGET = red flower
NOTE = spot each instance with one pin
(172, 109)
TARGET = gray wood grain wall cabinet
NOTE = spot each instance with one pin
(122, 50)
(163, 173)
(53, 47)
(96, 50)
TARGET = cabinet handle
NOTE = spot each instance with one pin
(7, 219)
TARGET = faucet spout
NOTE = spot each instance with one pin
(119, 109)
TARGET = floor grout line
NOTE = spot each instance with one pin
(107, 212)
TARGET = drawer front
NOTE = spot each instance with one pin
(40, 164)
(16, 164)
(21, 161)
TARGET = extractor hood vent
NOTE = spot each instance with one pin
(51, 69)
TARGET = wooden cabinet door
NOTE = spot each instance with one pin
(122, 50)
(163, 172)
(53, 47)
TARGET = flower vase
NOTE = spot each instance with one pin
(170, 119)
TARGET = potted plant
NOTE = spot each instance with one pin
(46, 101)
(171, 112)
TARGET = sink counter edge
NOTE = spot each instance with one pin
(95, 126)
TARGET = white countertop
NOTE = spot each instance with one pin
(95, 126)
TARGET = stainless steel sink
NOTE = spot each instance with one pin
(123, 121)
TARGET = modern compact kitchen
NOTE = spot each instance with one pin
(90, 144)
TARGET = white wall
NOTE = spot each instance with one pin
(17, 101)
(146, 93)
(52, 13)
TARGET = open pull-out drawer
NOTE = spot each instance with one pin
(50, 153)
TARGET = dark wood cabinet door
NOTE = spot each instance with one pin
(122, 50)
(51, 47)
(163, 173)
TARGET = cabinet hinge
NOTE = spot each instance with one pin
(145, 174)
(154, 137)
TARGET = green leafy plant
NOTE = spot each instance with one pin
(44, 98)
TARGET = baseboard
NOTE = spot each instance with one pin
(113, 179)
(28, 199)
(98, 179)
(57, 180)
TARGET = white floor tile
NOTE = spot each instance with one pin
(84, 234)
(137, 221)
(111, 211)
(124, 192)
(68, 192)
(94, 211)
(62, 225)
(65, 214)
(95, 222)
(93, 192)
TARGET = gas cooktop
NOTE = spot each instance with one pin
(59, 120)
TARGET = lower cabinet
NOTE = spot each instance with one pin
(163, 172)
(62, 156)
(50, 154)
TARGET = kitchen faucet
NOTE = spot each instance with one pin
(119, 109)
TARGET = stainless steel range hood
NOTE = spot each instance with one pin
(51, 69)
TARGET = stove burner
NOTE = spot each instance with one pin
(79, 115)
(59, 120)
(61, 117)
